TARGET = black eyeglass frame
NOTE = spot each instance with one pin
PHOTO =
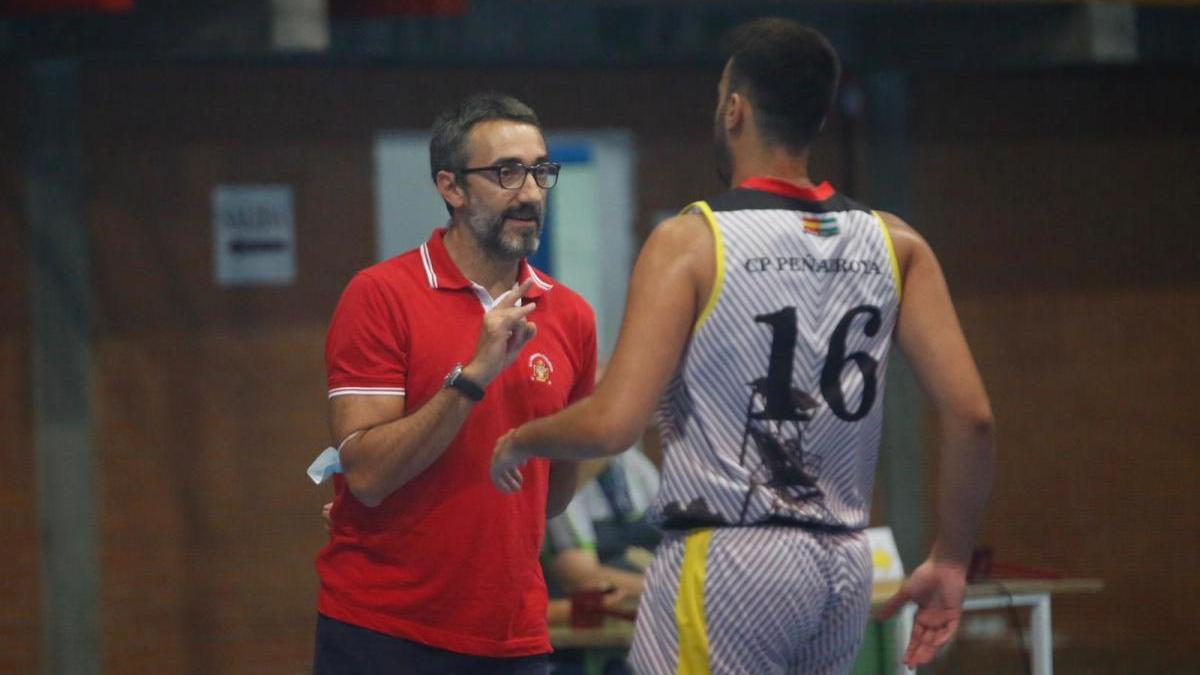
(526, 169)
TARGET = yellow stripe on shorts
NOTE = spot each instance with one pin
(689, 606)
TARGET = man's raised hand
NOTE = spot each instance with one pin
(504, 333)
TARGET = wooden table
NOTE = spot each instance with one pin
(598, 646)
(614, 634)
(612, 639)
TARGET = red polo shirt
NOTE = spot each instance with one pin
(447, 559)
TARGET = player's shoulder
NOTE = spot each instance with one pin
(683, 239)
(907, 240)
(897, 225)
(681, 228)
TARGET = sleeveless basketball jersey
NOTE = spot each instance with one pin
(775, 414)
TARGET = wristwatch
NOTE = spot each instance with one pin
(456, 380)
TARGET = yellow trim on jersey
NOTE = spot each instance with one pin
(887, 239)
(689, 606)
(719, 251)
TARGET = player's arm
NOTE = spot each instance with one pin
(670, 284)
(929, 333)
(386, 447)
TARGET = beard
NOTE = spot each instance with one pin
(721, 149)
(487, 227)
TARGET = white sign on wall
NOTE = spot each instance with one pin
(254, 235)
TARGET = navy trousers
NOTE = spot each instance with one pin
(345, 649)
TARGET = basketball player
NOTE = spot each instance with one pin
(762, 320)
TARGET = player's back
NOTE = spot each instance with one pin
(775, 414)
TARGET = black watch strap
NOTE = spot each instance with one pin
(456, 380)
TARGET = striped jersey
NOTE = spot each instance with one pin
(775, 413)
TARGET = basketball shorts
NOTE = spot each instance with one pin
(759, 600)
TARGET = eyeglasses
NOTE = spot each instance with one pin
(511, 175)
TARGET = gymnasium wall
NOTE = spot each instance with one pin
(19, 627)
(1062, 207)
(1058, 204)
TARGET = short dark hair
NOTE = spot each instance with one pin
(789, 72)
(448, 145)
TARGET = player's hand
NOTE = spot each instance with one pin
(507, 463)
(504, 333)
(938, 588)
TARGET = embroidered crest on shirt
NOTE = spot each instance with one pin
(540, 368)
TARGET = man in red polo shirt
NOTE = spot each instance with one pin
(431, 356)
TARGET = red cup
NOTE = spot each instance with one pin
(587, 609)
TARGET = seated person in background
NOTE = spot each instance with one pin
(602, 539)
